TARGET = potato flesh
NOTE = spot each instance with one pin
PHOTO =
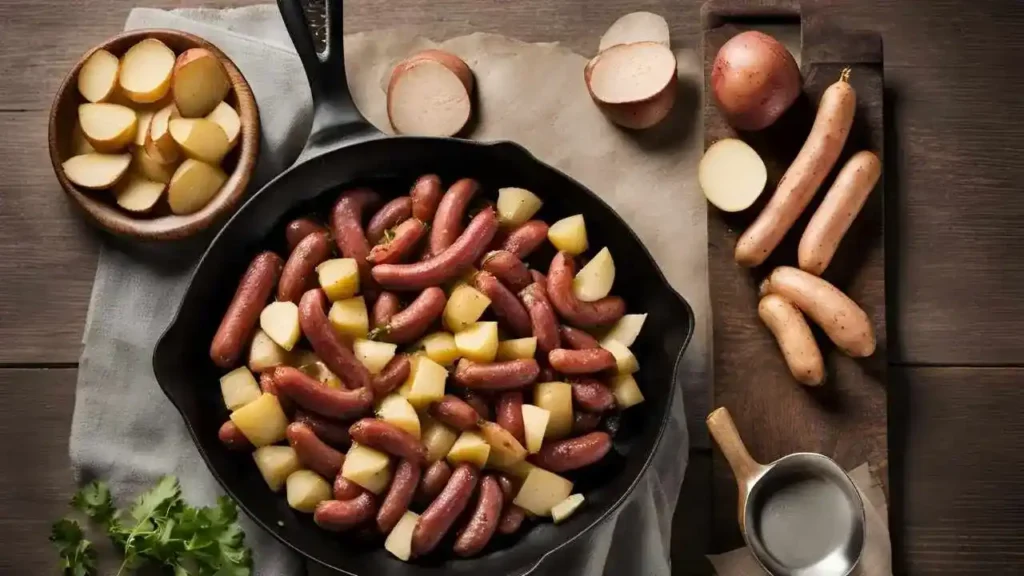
(264, 353)
(516, 206)
(96, 171)
(395, 409)
(193, 185)
(535, 424)
(200, 139)
(159, 143)
(280, 321)
(626, 329)
(626, 391)
(505, 449)
(732, 175)
(145, 118)
(470, 448)
(262, 421)
(138, 194)
(464, 307)
(238, 388)
(542, 491)
(152, 169)
(517, 349)
(367, 467)
(426, 382)
(339, 278)
(479, 342)
(594, 281)
(226, 117)
(306, 489)
(437, 438)
(631, 73)
(200, 82)
(146, 71)
(569, 235)
(519, 470)
(97, 80)
(350, 317)
(79, 145)
(374, 355)
(625, 361)
(108, 127)
(322, 373)
(635, 27)
(564, 509)
(399, 541)
(276, 464)
(556, 398)
(440, 347)
(427, 99)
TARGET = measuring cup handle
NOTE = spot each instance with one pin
(723, 430)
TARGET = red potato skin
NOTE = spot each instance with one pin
(478, 402)
(505, 266)
(509, 414)
(390, 215)
(389, 438)
(450, 212)
(347, 227)
(803, 177)
(506, 306)
(542, 317)
(313, 452)
(426, 196)
(298, 229)
(299, 272)
(339, 516)
(242, 315)
(399, 496)
(584, 422)
(496, 376)
(413, 322)
(484, 520)
(754, 80)
(230, 435)
(313, 396)
(573, 453)
(392, 376)
(589, 361)
(455, 412)
(345, 489)
(433, 481)
(445, 266)
(438, 518)
(522, 241)
(577, 339)
(407, 236)
(592, 395)
(578, 313)
(268, 386)
(387, 305)
(335, 353)
(330, 431)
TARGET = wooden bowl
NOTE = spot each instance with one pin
(159, 224)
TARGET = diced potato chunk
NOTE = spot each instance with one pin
(262, 420)
(238, 388)
(625, 361)
(437, 438)
(465, 306)
(470, 448)
(275, 464)
(516, 205)
(440, 347)
(626, 329)
(569, 235)
(350, 318)
(519, 348)
(466, 279)
(594, 281)
(541, 491)
(302, 357)
(556, 398)
(374, 355)
(426, 382)
(306, 489)
(626, 392)
(264, 353)
(479, 342)
(367, 467)
(505, 449)
(519, 470)
(561, 511)
(321, 372)
(399, 541)
(339, 278)
(535, 424)
(280, 320)
(396, 410)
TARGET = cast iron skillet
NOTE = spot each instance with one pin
(344, 150)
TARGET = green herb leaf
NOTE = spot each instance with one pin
(158, 499)
(94, 501)
(77, 556)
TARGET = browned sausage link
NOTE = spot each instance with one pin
(313, 396)
(300, 228)
(577, 339)
(542, 317)
(406, 237)
(573, 453)
(342, 515)
(507, 375)
(576, 312)
(330, 431)
(392, 376)
(345, 489)
(508, 268)
(592, 395)
(506, 306)
(445, 266)
(509, 414)
(395, 504)
(540, 279)
(426, 195)
(478, 402)
(312, 452)
(387, 305)
(347, 226)
(390, 215)
(448, 218)
(546, 373)
(508, 488)
(239, 322)
(437, 519)
(336, 354)
(433, 481)
(484, 521)
(389, 438)
(511, 519)
(454, 412)
(583, 422)
(522, 241)
(268, 386)
(299, 272)
(581, 361)
(231, 437)
(411, 323)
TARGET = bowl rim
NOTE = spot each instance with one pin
(109, 217)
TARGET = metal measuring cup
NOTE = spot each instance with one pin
(800, 515)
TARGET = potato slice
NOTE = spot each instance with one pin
(226, 117)
(516, 206)
(276, 464)
(479, 342)
(339, 278)
(79, 145)
(200, 139)
(280, 320)
(96, 171)
(238, 388)
(437, 438)
(517, 349)
(426, 382)
(148, 167)
(631, 73)
(396, 410)
(535, 424)
(136, 193)
(464, 307)
(556, 398)
(108, 127)
(146, 71)
(626, 391)
(350, 318)
(321, 372)
(367, 467)
(561, 511)
(569, 234)
(374, 355)
(626, 329)
(192, 186)
(471, 448)
(594, 281)
(264, 353)
(399, 541)
(440, 347)
(262, 421)
(200, 82)
(635, 27)
(732, 175)
(519, 470)
(306, 489)
(541, 491)
(97, 79)
(427, 99)
(625, 361)
(159, 143)
(505, 449)
(143, 118)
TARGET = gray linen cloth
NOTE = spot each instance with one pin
(126, 432)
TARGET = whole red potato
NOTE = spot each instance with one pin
(754, 80)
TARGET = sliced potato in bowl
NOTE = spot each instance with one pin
(200, 139)
(146, 71)
(96, 171)
(159, 143)
(193, 185)
(97, 80)
(200, 82)
(150, 167)
(108, 127)
(136, 193)
(226, 117)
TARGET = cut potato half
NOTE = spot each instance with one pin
(516, 206)
(732, 175)
(427, 99)
(626, 329)
(200, 139)
(635, 27)
(633, 84)
(146, 71)
(306, 489)
(150, 167)
(108, 127)
(136, 193)
(399, 541)
(97, 80)
(280, 321)
(226, 117)
(79, 145)
(96, 171)
(159, 143)
(569, 234)
(193, 185)
(143, 118)
(200, 82)
(594, 281)
(276, 463)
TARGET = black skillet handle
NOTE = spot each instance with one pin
(336, 121)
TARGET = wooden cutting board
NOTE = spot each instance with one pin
(846, 418)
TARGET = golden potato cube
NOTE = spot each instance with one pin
(535, 424)
(339, 278)
(275, 464)
(479, 342)
(561, 511)
(280, 320)
(594, 281)
(399, 541)
(556, 398)
(367, 467)
(470, 448)
(517, 349)
(396, 410)
(374, 355)
(516, 206)
(541, 491)
(306, 489)
(239, 387)
(262, 420)
(350, 318)
(626, 329)
(465, 306)
(264, 353)
(437, 438)
(426, 382)
(505, 449)
(440, 347)
(569, 235)
(626, 391)
(625, 361)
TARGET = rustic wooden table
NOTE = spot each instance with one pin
(956, 261)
